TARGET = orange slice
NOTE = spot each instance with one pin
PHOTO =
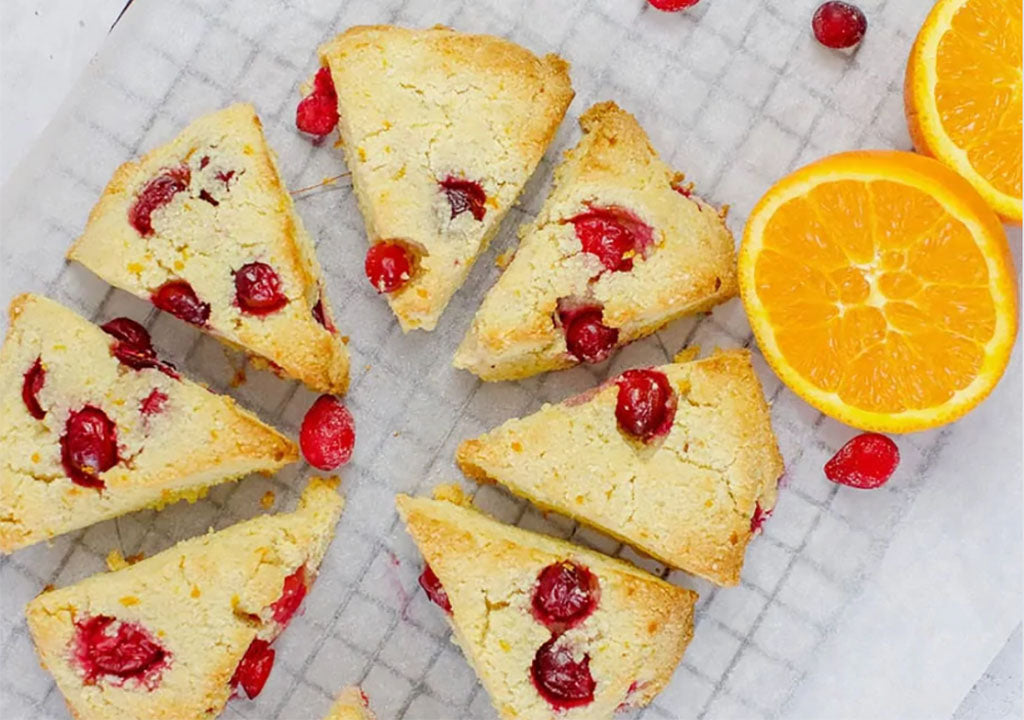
(880, 288)
(963, 95)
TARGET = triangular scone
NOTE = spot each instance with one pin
(94, 425)
(441, 131)
(551, 629)
(351, 704)
(619, 243)
(204, 228)
(172, 635)
(691, 495)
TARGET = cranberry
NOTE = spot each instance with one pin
(612, 233)
(179, 299)
(388, 266)
(561, 680)
(328, 433)
(204, 161)
(434, 590)
(866, 462)
(258, 289)
(672, 5)
(317, 113)
(32, 383)
(758, 519)
(153, 403)
(839, 25)
(465, 196)
(685, 190)
(88, 446)
(133, 346)
(254, 668)
(225, 177)
(565, 594)
(586, 337)
(646, 405)
(320, 317)
(130, 652)
(291, 596)
(158, 192)
(205, 196)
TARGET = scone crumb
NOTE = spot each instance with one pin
(454, 494)
(501, 262)
(116, 561)
(267, 501)
(687, 354)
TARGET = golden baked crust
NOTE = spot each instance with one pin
(194, 240)
(197, 439)
(351, 704)
(204, 600)
(417, 106)
(691, 265)
(635, 636)
(687, 500)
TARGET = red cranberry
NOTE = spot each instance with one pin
(611, 233)
(158, 192)
(205, 196)
(254, 668)
(646, 405)
(31, 384)
(866, 462)
(88, 446)
(225, 177)
(685, 190)
(291, 596)
(565, 594)
(321, 317)
(133, 346)
(839, 25)
(258, 289)
(153, 403)
(465, 196)
(317, 113)
(388, 266)
(179, 299)
(204, 161)
(328, 433)
(758, 519)
(130, 652)
(561, 680)
(672, 5)
(586, 337)
(434, 590)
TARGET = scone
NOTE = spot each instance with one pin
(173, 635)
(441, 131)
(351, 704)
(620, 248)
(679, 461)
(551, 629)
(95, 425)
(204, 228)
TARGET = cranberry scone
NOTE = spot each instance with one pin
(551, 629)
(620, 248)
(441, 131)
(95, 425)
(351, 704)
(175, 634)
(679, 461)
(204, 228)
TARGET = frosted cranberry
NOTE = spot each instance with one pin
(328, 433)
(646, 405)
(839, 25)
(672, 5)
(321, 317)
(758, 519)
(158, 192)
(565, 594)
(133, 346)
(866, 462)
(388, 266)
(292, 593)
(130, 652)
(586, 337)
(317, 113)
(153, 403)
(254, 668)
(31, 384)
(465, 196)
(561, 680)
(614, 235)
(258, 289)
(434, 590)
(179, 299)
(88, 446)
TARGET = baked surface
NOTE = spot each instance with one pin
(418, 106)
(691, 265)
(687, 500)
(204, 244)
(196, 439)
(351, 704)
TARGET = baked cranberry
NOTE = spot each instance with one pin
(646, 405)
(225, 177)
(388, 266)
(758, 519)
(586, 337)
(321, 317)
(88, 446)
(258, 289)
(205, 196)
(839, 25)
(254, 668)
(153, 403)
(158, 192)
(179, 299)
(465, 196)
(128, 652)
(328, 433)
(133, 346)
(672, 5)
(434, 590)
(614, 235)
(31, 384)
(866, 462)
(561, 680)
(317, 113)
(565, 594)
(684, 190)
(292, 593)
(204, 161)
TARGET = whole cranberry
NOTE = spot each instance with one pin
(179, 299)
(328, 433)
(560, 679)
(133, 346)
(867, 461)
(565, 594)
(32, 382)
(839, 25)
(388, 266)
(646, 405)
(88, 446)
(258, 289)
(587, 338)
(317, 113)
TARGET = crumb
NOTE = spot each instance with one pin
(238, 378)
(367, 368)
(687, 354)
(395, 434)
(453, 494)
(47, 587)
(267, 501)
(344, 339)
(501, 262)
(116, 561)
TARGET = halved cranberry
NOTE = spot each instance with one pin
(254, 668)
(321, 317)
(292, 594)
(434, 590)
(614, 235)
(31, 384)
(565, 594)
(88, 446)
(317, 113)
(561, 680)
(130, 652)
(328, 433)
(646, 405)
(586, 337)
(388, 266)
(153, 403)
(465, 196)
(758, 519)
(179, 299)
(258, 289)
(158, 192)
